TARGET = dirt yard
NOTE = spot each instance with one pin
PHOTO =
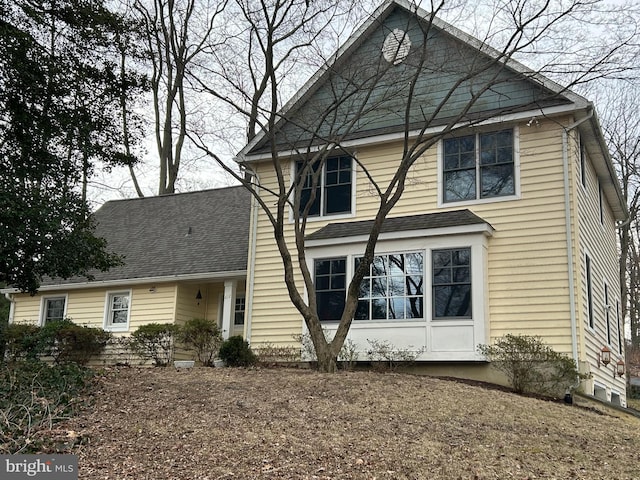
(206, 424)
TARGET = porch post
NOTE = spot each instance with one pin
(228, 307)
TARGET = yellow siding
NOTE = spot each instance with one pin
(87, 306)
(528, 279)
(598, 240)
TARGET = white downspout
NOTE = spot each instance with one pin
(567, 214)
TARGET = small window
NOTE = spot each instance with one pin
(587, 266)
(117, 311)
(452, 283)
(53, 309)
(583, 164)
(601, 203)
(331, 287)
(478, 166)
(393, 289)
(238, 312)
(619, 327)
(332, 193)
(607, 314)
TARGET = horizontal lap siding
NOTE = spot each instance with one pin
(600, 243)
(27, 308)
(527, 273)
(87, 307)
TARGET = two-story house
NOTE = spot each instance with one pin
(506, 225)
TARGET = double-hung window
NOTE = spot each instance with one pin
(238, 311)
(53, 309)
(331, 287)
(452, 283)
(332, 189)
(478, 166)
(117, 311)
(393, 288)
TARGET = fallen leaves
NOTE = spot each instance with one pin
(296, 424)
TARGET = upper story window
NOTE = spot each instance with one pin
(333, 189)
(53, 309)
(117, 311)
(393, 289)
(478, 166)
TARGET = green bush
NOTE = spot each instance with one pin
(33, 397)
(155, 341)
(203, 337)
(532, 366)
(21, 341)
(67, 342)
(236, 352)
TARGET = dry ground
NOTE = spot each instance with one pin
(296, 424)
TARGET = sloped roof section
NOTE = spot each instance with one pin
(204, 232)
(427, 221)
(361, 94)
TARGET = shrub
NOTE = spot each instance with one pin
(33, 397)
(347, 357)
(202, 336)
(388, 357)
(236, 352)
(21, 341)
(155, 341)
(268, 353)
(67, 342)
(532, 366)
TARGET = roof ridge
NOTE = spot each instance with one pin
(175, 194)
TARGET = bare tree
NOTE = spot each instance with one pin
(354, 95)
(621, 122)
(176, 33)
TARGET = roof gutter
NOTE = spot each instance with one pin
(567, 215)
(137, 281)
(245, 159)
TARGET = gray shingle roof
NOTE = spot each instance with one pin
(187, 233)
(398, 224)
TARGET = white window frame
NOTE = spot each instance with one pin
(478, 201)
(43, 306)
(322, 216)
(606, 302)
(588, 283)
(419, 332)
(235, 310)
(107, 325)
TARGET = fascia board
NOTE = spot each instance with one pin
(483, 228)
(136, 281)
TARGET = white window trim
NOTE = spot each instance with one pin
(321, 217)
(589, 310)
(43, 306)
(479, 201)
(607, 312)
(107, 310)
(244, 311)
(476, 241)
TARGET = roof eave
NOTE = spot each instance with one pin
(231, 274)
